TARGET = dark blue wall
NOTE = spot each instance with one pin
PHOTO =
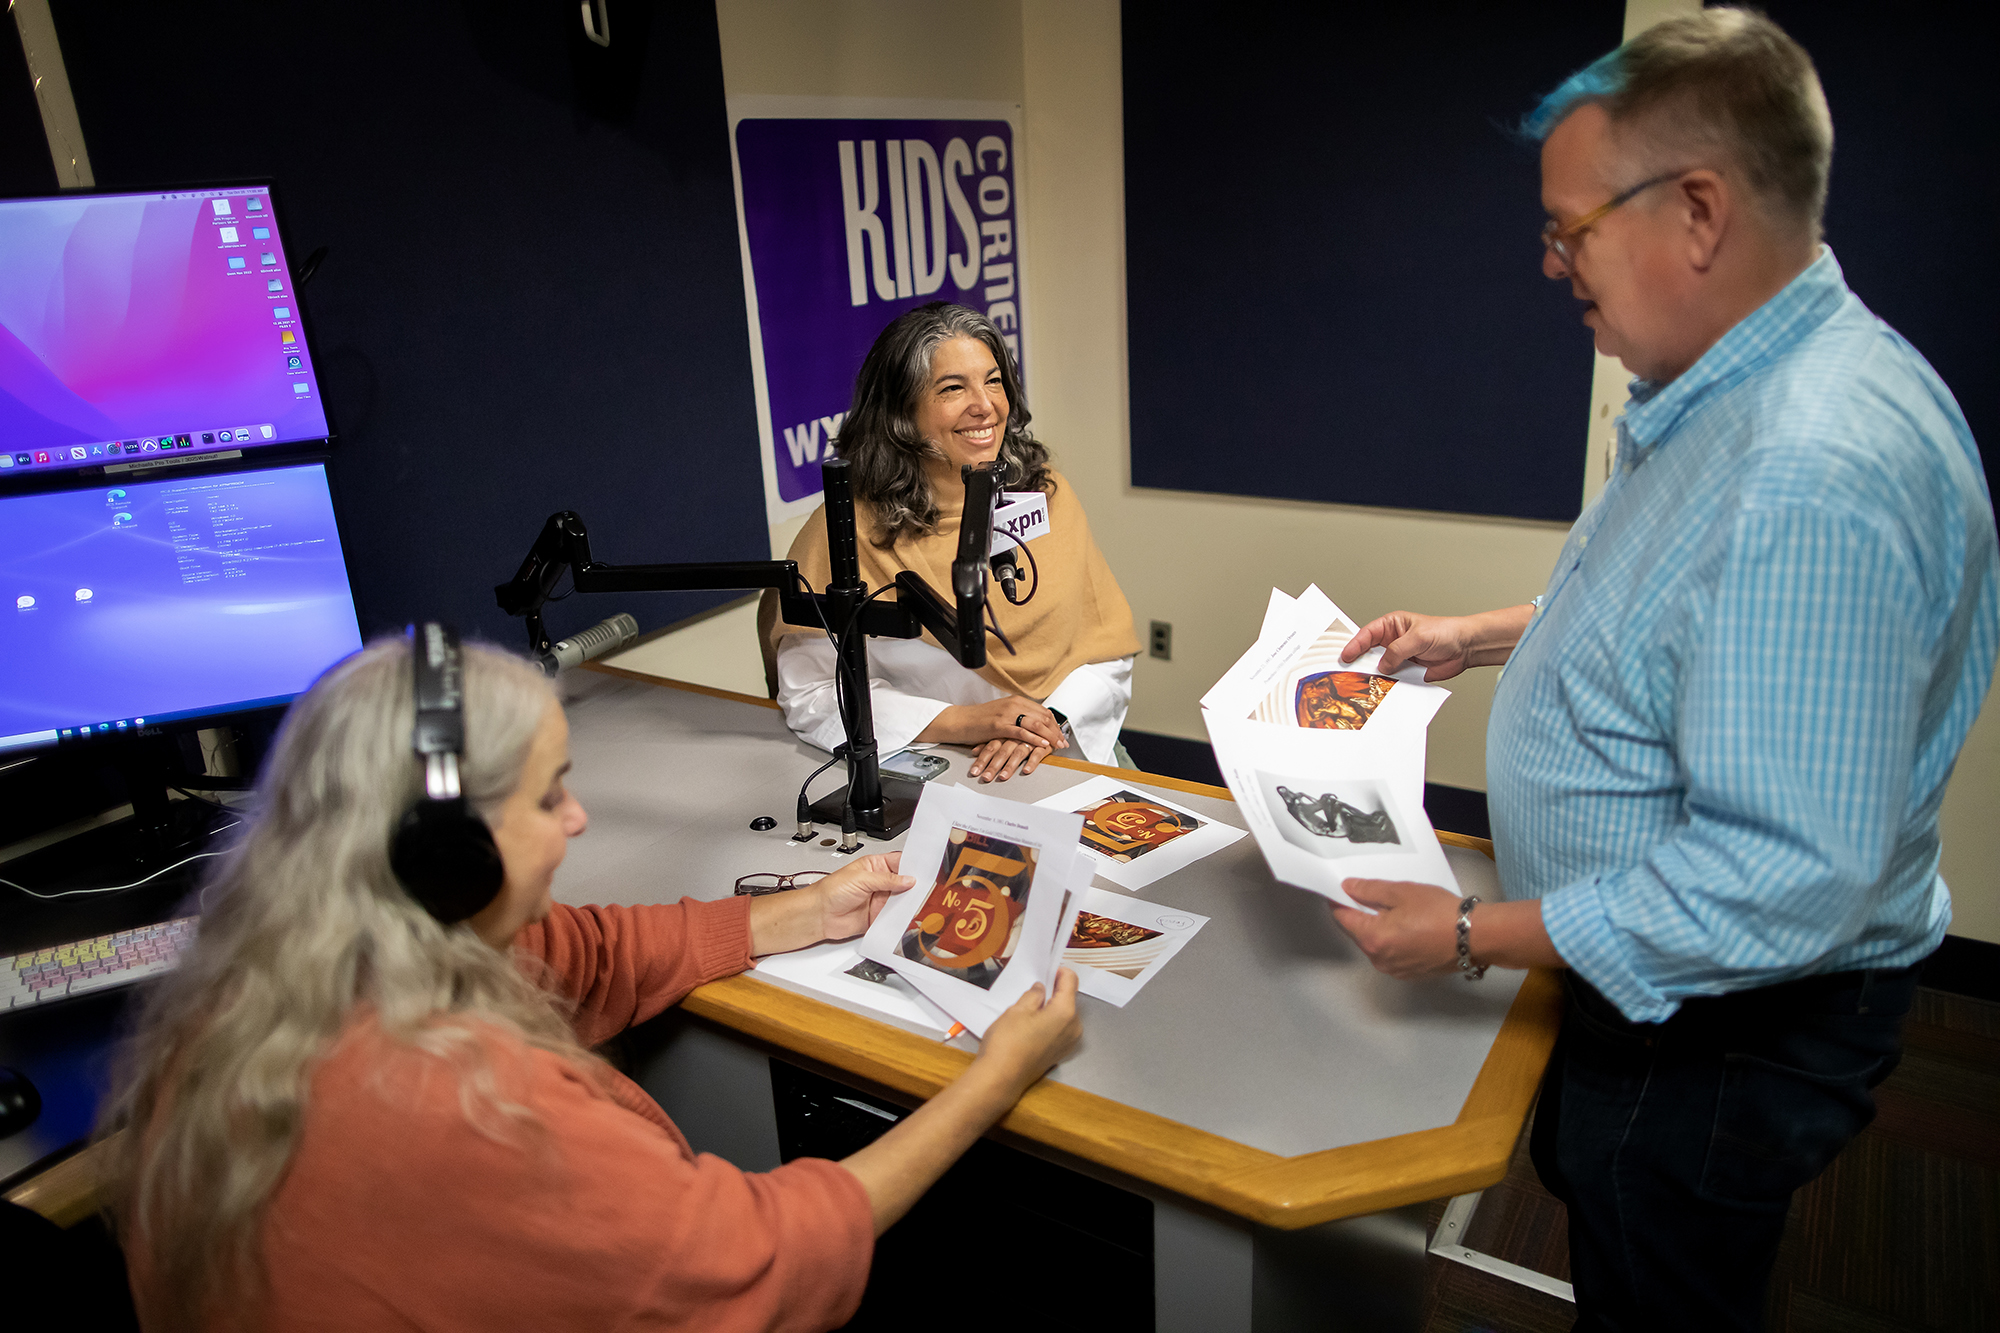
(533, 299)
(1915, 203)
(1332, 256)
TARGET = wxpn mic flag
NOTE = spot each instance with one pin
(847, 223)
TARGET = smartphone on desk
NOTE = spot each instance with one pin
(915, 766)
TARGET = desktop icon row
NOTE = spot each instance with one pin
(101, 728)
(84, 453)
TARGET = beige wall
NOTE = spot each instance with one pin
(1202, 562)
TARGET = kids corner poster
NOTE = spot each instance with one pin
(851, 211)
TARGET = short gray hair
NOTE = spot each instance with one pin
(1726, 80)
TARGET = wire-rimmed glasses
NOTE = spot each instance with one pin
(1560, 238)
(763, 882)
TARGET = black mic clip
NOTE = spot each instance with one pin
(1009, 575)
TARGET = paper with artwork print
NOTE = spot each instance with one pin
(839, 972)
(1293, 677)
(1323, 813)
(978, 929)
(1116, 944)
(1134, 835)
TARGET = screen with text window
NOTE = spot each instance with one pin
(133, 604)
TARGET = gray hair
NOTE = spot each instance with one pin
(880, 439)
(304, 922)
(1723, 81)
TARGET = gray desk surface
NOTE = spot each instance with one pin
(1269, 1029)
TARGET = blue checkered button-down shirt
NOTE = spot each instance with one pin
(1718, 752)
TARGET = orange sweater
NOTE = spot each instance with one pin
(397, 1213)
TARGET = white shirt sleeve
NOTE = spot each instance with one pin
(910, 682)
(1094, 698)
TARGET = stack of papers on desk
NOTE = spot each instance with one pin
(1326, 758)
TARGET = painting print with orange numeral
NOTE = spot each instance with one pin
(971, 920)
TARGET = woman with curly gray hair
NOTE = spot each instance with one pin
(346, 1110)
(938, 391)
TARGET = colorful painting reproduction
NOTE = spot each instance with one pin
(1125, 825)
(968, 924)
(1340, 700)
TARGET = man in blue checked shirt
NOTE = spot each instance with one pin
(1719, 747)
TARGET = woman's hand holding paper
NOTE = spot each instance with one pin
(1021, 1046)
(839, 907)
(1037, 1033)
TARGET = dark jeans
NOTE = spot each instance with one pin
(1677, 1145)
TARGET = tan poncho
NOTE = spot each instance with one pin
(1078, 615)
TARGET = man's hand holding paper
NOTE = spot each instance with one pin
(1443, 646)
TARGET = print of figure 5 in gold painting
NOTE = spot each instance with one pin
(972, 919)
(1340, 700)
(1125, 825)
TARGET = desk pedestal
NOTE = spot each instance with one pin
(1211, 1272)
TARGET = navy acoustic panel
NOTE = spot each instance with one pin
(25, 164)
(1333, 265)
(1910, 216)
(532, 298)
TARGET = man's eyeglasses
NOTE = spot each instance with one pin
(760, 884)
(1562, 239)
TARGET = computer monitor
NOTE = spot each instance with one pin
(136, 606)
(140, 331)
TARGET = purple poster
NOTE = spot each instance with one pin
(847, 223)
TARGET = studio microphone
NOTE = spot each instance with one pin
(607, 636)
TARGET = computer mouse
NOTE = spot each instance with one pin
(20, 1104)
(763, 823)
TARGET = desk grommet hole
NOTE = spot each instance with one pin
(826, 842)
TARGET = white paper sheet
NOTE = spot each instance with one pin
(979, 927)
(1115, 944)
(1323, 813)
(1293, 676)
(1134, 836)
(831, 970)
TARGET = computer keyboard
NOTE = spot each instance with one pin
(86, 966)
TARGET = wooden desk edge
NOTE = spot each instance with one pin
(72, 1189)
(1471, 1153)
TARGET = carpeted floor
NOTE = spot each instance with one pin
(1902, 1233)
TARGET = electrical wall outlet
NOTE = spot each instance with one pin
(1163, 641)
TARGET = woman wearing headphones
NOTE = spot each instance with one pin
(348, 1110)
(937, 391)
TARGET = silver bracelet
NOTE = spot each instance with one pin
(1471, 971)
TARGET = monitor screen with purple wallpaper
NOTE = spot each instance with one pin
(141, 330)
(140, 604)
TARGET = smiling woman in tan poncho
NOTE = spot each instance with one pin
(937, 391)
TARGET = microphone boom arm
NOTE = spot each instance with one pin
(845, 610)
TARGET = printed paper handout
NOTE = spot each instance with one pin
(840, 972)
(1325, 757)
(1136, 836)
(979, 927)
(1325, 813)
(1115, 944)
(1293, 676)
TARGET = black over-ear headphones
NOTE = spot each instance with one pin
(443, 852)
